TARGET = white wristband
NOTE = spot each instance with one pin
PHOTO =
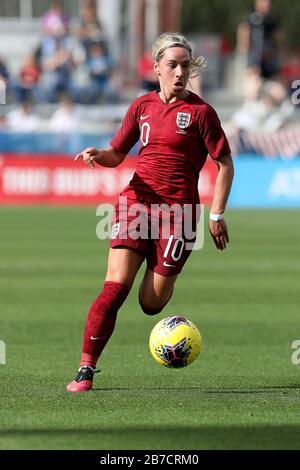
(216, 217)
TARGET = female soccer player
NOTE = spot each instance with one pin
(177, 131)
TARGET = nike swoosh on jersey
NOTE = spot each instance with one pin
(169, 265)
(142, 118)
(94, 339)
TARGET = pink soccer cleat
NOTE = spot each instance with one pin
(83, 382)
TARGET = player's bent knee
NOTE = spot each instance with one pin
(151, 311)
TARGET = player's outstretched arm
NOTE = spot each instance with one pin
(109, 157)
(217, 225)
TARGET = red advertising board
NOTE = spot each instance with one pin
(32, 179)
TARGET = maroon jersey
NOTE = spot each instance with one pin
(175, 140)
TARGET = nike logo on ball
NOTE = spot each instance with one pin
(169, 265)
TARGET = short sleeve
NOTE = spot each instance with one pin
(213, 135)
(129, 133)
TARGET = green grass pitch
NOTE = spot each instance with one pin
(242, 392)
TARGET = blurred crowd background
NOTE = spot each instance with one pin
(70, 68)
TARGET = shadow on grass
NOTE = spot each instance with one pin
(257, 390)
(281, 437)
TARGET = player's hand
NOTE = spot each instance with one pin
(219, 233)
(89, 156)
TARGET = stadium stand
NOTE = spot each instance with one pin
(98, 107)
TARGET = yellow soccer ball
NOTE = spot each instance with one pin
(175, 342)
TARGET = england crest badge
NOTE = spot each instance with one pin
(183, 120)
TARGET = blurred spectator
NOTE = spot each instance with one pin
(5, 79)
(226, 50)
(3, 122)
(148, 78)
(23, 119)
(66, 117)
(99, 66)
(56, 56)
(269, 113)
(54, 21)
(4, 74)
(259, 37)
(28, 80)
(90, 30)
(65, 124)
(291, 69)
